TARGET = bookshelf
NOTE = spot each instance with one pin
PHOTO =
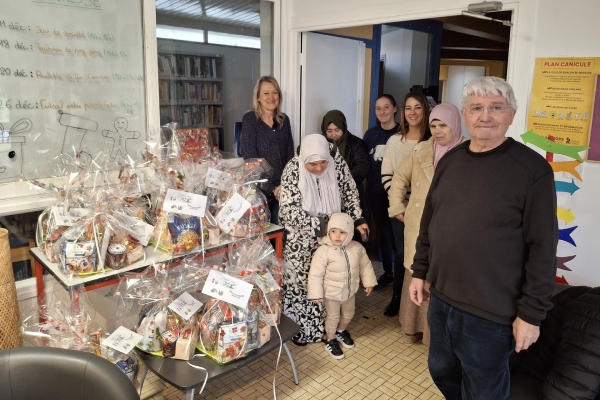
(191, 91)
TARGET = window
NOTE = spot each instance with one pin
(229, 39)
(177, 33)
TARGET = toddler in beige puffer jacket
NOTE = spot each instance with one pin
(336, 270)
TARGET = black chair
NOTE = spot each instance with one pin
(50, 373)
(522, 386)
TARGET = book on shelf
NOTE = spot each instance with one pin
(192, 115)
(178, 65)
(189, 91)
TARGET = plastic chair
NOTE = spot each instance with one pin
(52, 373)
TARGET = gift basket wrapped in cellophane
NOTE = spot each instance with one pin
(236, 201)
(127, 214)
(182, 225)
(196, 143)
(255, 260)
(228, 331)
(167, 330)
(63, 320)
(71, 184)
(223, 331)
(132, 188)
(73, 231)
(103, 238)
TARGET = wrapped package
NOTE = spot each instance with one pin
(196, 142)
(121, 246)
(71, 186)
(61, 322)
(67, 323)
(79, 247)
(164, 332)
(180, 230)
(128, 363)
(223, 331)
(240, 208)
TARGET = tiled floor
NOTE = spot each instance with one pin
(380, 366)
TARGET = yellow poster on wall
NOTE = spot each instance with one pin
(562, 98)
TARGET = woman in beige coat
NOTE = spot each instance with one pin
(416, 172)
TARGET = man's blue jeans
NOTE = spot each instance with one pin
(468, 355)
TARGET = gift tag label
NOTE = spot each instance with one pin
(218, 179)
(231, 212)
(185, 305)
(79, 249)
(68, 219)
(227, 288)
(122, 340)
(137, 228)
(184, 203)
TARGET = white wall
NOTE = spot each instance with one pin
(241, 70)
(548, 28)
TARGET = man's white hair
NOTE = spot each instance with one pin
(489, 86)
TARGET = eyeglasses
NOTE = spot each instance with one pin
(492, 110)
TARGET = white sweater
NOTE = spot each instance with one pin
(396, 150)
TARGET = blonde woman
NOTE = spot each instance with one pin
(267, 133)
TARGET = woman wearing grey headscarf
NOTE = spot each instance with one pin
(315, 184)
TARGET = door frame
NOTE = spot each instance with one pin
(293, 24)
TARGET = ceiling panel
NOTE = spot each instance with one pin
(232, 12)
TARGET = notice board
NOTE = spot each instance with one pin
(71, 81)
(562, 98)
(594, 152)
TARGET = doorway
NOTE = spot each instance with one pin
(436, 56)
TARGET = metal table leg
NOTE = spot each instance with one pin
(287, 350)
(189, 395)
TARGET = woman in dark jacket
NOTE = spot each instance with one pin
(266, 133)
(352, 148)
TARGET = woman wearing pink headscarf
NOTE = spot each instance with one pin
(415, 173)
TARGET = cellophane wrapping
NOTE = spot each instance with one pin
(67, 323)
(235, 186)
(228, 332)
(164, 332)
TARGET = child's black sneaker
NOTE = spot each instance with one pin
(333, 347)
(344, 338)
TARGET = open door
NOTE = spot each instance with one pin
(332, 79)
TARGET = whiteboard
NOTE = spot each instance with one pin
(71, 81)
(332, 79)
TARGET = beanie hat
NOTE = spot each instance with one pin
(341, 221)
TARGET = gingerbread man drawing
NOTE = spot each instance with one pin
(120, 137)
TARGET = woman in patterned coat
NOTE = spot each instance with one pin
(314, 184)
